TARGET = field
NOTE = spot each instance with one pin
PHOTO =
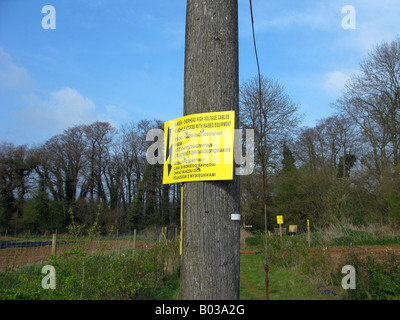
(19, 257)
(111, 269)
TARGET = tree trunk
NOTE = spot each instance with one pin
(211, 240)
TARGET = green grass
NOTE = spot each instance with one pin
(284, 284)
(295, 273)
(170, 290)
(99, 276)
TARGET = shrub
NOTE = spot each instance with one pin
(80, 275)
(376, 279)
(99, 276)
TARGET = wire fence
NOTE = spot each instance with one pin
(19, 251)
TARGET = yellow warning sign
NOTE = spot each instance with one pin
(279, 219)
(199, 147)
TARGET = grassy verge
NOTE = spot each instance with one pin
(377, 276)
(284, 284)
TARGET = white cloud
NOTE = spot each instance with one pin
(376, 21)
(114, 115)
(117, 113)
(63, 109)
(284, 15)
(49, 112)
(58, 110)
(316, 19)
(69, 107)
(334, 82)
(12, 75)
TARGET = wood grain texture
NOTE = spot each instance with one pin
(210, 258)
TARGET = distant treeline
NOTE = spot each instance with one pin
(86, 170)
(345, 169)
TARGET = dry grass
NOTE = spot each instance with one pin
(348, 234)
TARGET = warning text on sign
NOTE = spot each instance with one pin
(199, 147)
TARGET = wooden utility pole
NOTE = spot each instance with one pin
(210, 260)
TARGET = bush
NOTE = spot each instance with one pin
(98, 276)
(80, 275)
(376, 280)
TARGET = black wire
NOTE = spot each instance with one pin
(261, 135)
(259, 74)
(255, 50)
(258, 68)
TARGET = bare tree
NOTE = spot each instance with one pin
(99, 136)
(306, 146)
(277, 120)
(73, 147)
(372, 99)
(273, 120)
(131, 154)
(61, 163)
(324, 146)
(51, 164)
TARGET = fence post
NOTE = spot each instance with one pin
(134, 240)
(54, 244)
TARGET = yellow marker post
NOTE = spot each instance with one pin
(308, 230)
(279, 220)
(180, 234)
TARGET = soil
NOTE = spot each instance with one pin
(338, 254)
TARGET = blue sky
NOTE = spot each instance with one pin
(123, 60)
